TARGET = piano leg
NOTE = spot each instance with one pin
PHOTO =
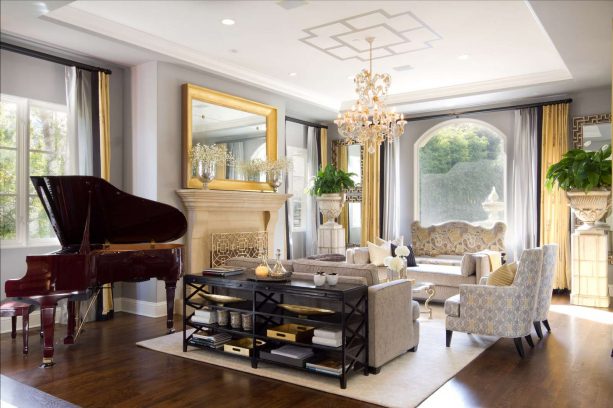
(70, 331)
(47, 313)
(170, 305)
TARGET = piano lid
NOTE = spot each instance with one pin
(116, 217)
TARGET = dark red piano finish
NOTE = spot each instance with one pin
(107, 236)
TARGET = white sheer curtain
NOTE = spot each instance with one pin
(312, 216)
(237, 150)
(391, 194)
(78, 98)
(523, 214)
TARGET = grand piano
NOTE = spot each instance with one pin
(107, 236)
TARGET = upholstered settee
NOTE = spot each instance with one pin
(448, 255)
(393, 328)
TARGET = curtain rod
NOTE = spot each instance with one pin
(304, 122)
(502, 108)
(52, 58)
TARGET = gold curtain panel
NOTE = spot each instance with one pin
(555, 213)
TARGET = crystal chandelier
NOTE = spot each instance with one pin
(369, 122)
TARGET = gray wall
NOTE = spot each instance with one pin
(43, 80)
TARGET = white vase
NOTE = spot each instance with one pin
(589, 207)
(331, 205)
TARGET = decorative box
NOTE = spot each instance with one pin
(291, 332)
(242, 347)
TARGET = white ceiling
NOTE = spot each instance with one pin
(515, 49)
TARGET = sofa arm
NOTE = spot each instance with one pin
(390, 323)
(482, 266)
(349, 256)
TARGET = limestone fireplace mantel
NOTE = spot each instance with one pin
(210, 211)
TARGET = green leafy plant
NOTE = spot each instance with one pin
(331, 180)
(581, 170)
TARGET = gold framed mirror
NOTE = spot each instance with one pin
(247, 129)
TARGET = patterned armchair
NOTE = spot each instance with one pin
(503, 311)
(550, 255)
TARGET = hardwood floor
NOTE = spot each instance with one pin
(570, 367)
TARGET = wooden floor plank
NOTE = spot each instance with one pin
(570, 367)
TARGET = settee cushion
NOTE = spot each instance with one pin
(439, 274)
(452, 306)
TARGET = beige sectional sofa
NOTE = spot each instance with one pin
(450, 254)
(393, 328)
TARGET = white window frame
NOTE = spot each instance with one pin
(23, 172)
(429, 134)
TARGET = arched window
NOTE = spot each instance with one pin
(460, 168)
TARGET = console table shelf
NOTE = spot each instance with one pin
(349, 301)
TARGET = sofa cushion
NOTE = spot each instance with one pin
(439, 260)
(452, 306)
(398, 241)
(361, 256)
(443, 275)
(415, 310)
(369, 271)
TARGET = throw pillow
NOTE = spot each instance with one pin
(378, 253)
(410, 259)
(503, 276)
(398, 241)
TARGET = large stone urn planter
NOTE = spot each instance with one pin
(330, 206)
(589, 207)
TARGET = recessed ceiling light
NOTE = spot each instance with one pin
(228, 21)
(350, 77)
(463, 57)
(292, 74)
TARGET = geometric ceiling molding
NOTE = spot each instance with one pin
(394, 35)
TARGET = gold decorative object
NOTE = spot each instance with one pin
(291, 332)
(242, 347)
(193, 93)
(303, 311)
(220, 299)
(370, 122)
(226, 245)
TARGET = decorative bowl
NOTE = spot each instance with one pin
(306, 310)
(221, 299)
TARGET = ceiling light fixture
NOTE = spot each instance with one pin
(292, 74)
(370, 122)
(228, 21)
(463, 57)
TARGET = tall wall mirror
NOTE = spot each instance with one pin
(245, 129)
(349, 157)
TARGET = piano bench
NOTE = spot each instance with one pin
(12, 309)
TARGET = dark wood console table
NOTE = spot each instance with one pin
(261, 301)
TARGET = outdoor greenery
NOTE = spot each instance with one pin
(459, 165)
(47, 144)
(331, 180)
(581, 170)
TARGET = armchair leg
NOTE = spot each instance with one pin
(529, 341)
(539, 331)
(519, 346)
(546, 324)
(449, 333)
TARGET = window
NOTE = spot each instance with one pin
(460, 166)
(33, 141)
(297, 184)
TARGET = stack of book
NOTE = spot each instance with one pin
(223, 271)
(328, 336)
(326, 365)
(300, 353)
(211, 340)
(204, 316)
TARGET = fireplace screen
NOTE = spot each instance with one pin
(226, 245)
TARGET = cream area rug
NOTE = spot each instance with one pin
(404, 382)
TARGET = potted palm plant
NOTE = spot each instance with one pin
(329, 186)
(586, 178)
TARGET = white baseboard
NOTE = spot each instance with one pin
(139, 307)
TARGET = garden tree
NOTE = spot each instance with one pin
(47, 156)
(459, 166)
